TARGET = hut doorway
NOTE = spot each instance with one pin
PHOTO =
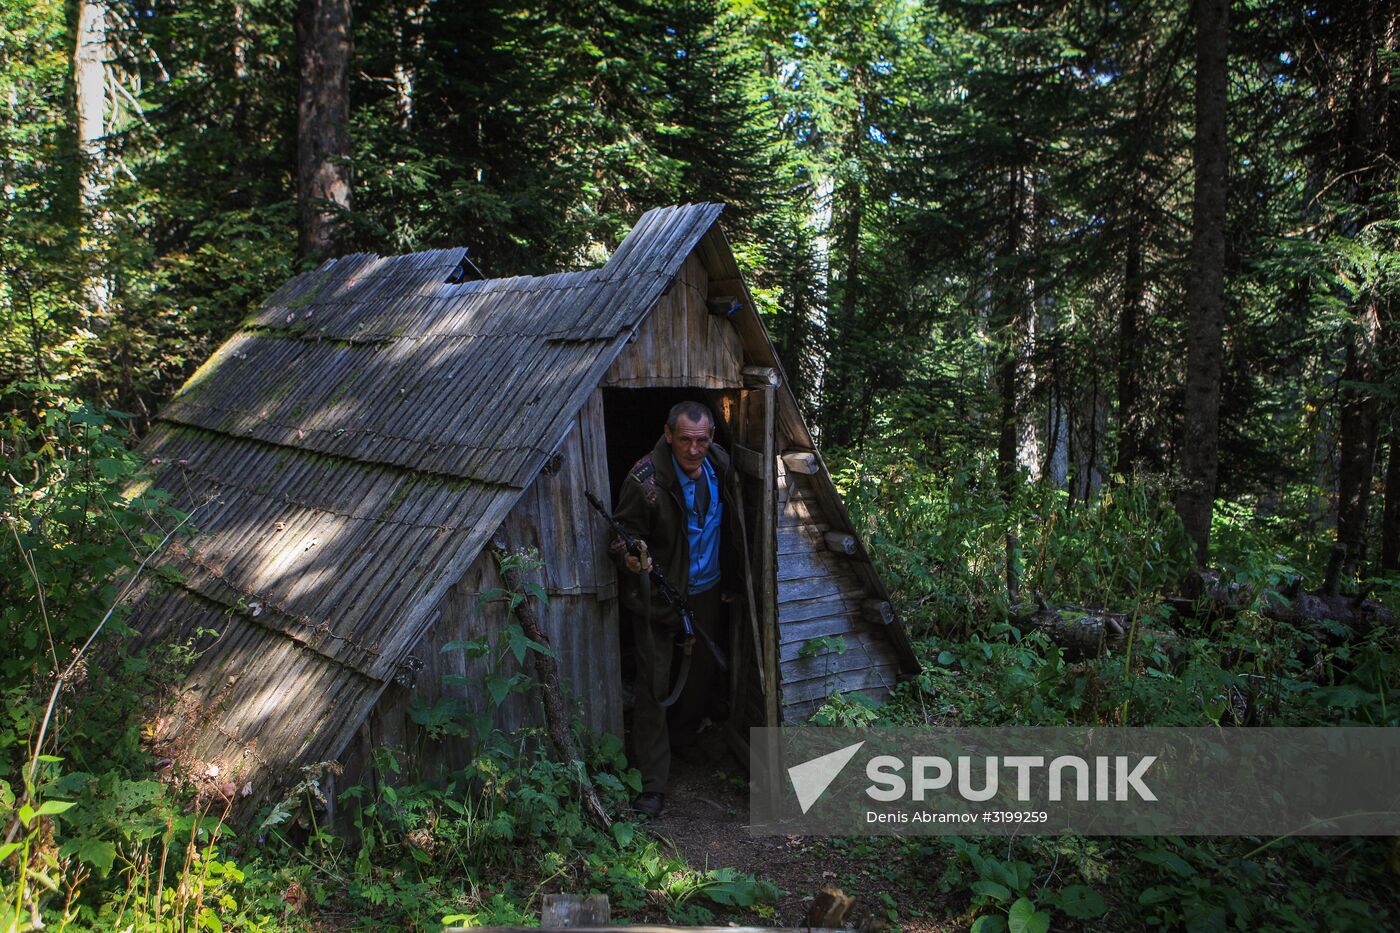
(633, 422)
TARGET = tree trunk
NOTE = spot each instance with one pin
(1028, 334)
(1367, 157)
(1052, 365)
(849, 389)
(323, 125)
(1390, 521)
(90, 57)
(1086, 442)
(239, 25)
(556, 714)
(1206, 291)
(1015, 308)
(1129, 353)
(849, 247)
(1012, 321)
(1360, 431)
(406, 63)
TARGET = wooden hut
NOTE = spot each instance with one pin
(352, 450)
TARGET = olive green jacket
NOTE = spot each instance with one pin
(651, 506)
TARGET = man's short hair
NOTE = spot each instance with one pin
(693, 411)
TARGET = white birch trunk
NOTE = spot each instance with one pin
(90, 58)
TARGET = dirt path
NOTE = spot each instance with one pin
(706, 821)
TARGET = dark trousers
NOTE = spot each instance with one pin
(653, 730)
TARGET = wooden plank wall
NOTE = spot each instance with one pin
(820, 594)
(581, 617)
(680, 343)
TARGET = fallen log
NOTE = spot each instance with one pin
(1089, 633)
(1082, 634)
(1289, 603)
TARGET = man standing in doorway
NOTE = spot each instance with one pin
(681, 501)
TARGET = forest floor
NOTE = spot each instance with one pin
(706, 821)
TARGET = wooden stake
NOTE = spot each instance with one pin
(547, 673)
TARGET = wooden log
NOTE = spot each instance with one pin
(802, 488)
(811, 563)
(855, 657)
(810, 588)
(864, 641)
(761, 377)
(565, 911)
(1085, 634)
(799, 633)
(799, 539)
(766, 633)
(1289, 603)
(840, 542)
(803, 461)
(798, 512)
(877, 678)
(800, 610)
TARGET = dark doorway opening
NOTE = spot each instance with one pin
(633, 420)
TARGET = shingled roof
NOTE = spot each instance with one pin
(348, 452)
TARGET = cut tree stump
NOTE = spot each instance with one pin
(830, 907)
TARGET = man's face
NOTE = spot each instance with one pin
(690, 442)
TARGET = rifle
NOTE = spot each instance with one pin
(688, 633)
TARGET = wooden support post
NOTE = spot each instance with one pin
(768, 584)
(840, 542)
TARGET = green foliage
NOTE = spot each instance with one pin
(78, 520)
(941, 540)
(849, 710)
(822, 644)
(1120, 550)
(466, 851)
(472, 847)
(949, 214)
(128, 853)
(107, 846)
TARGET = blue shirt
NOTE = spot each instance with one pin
(701, 530)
